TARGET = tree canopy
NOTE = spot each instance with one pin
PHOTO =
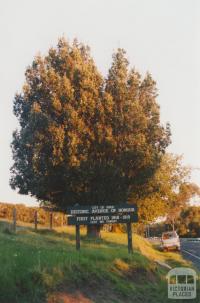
(188, 223)
(161, 194)
(84, 138)
(167, 193)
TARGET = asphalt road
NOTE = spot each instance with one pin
(190, 250)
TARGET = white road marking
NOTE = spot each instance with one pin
(187, 252)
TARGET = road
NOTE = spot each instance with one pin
(190, 250)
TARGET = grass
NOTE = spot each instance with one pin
(44, 266)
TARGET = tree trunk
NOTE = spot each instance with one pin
(173, 224)
(93, 231)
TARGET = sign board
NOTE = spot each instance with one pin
(103, 214)
(102, 209)
(102, 219)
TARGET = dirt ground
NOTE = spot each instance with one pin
(64, 297)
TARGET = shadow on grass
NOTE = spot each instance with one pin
(86, 239)
(7, 227)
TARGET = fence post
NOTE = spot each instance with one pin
(14, 219)
(51, 221)
(35, 219)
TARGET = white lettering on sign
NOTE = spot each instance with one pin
(99, 218)
(79, 211)
(110, 206)
(115, 217)
(99, 211)
(81, 219)
(126, 217)
(125, 210)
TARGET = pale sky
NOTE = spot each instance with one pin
(160, 36)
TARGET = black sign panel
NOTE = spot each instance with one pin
(102, 219)
(102, 209)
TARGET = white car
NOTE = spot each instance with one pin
(170, 240)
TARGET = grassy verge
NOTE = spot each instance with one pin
(44, 266)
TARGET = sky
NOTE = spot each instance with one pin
(159, 36)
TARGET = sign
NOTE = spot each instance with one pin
(102, 209)
(102, 219)
(103, 214)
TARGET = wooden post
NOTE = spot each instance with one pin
(35, 219)
(129, 234)
(77, 237)
(14, 219)
(51, 221)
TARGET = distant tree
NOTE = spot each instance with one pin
(188, 223)
(180, 202)
(83, 139)
(165, 193)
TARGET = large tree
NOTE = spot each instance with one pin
(84, 139)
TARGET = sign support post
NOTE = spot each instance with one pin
(77, 237)
(129, 234)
